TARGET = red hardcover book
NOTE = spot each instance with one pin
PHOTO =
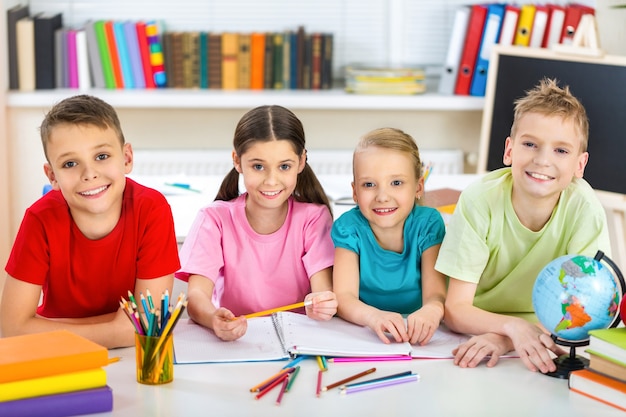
(115, 57)
(573, 13)
(144, 50)
(470, 49)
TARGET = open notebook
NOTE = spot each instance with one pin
(287, 334)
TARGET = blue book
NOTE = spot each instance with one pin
(124, 56)
(491, 34)
(130, 32)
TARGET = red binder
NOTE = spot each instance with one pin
(470, 49)
(554, 26)
(573, 14)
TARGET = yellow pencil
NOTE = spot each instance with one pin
(277, 309)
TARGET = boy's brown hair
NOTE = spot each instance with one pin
(80, 110)
(548, 99)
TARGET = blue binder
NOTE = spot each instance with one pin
(491, 34)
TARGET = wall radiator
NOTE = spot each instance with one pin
(208, 162)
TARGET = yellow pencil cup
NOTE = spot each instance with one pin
(154, 359)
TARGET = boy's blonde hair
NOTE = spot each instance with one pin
(548, 99)
(394, 139)
(80, 110)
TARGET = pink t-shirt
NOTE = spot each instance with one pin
(254, 272)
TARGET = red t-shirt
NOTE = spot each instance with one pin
(82, 277)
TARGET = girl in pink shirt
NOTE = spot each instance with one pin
(269, 246)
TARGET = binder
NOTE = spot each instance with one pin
(554, 25)
(473, 37)
(455, 49)
(573, 14)
(509, 24)
(95, 62)
(25, 41)
(539, 26)
(491, 33)
(45, 25)
(113, 53)
(525, 25)
(123, 54)
(82, 60)
(132, 42)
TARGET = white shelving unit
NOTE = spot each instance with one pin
(238, 99)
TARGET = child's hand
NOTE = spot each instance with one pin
(422, 324)
(472, 352)
(392, 323)
(324, 305)
(228, 327)
(533, 346)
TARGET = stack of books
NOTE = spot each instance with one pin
(53, 374)
(113, 54)
(605, 379)
(385, 80)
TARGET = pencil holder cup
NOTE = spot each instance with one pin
(154, 359)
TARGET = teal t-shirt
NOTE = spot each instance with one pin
(389, 280)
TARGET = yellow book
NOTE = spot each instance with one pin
(56, 384)
(524, 25)
(230, 51)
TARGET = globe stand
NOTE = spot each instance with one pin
(568, 363)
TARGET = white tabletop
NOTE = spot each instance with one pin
(443, 389)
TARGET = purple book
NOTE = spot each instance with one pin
(90, 401)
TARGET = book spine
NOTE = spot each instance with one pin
(230, 71)
(203, 63)
(89, 401)
(123, 54)
(105, 55)
(268, 68)
(215, 60)
(45, 27)
(95, 63)
(316, 61)
(60, 58)
(13, 15)
(156, 53)
(243, 61)
(257, 60)
(327, 61)
(25, 35)
(54, 384)
(132, 41)
(82, 60)
(72, 62)
(278, 81)
(114, 54)
(144, 51)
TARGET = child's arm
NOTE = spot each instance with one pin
(346, 286)
(18, 315)
(324, 300)
(497, 333)
(201, 309)
(422, 324)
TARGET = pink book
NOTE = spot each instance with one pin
(72, 61)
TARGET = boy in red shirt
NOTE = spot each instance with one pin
(93, 238)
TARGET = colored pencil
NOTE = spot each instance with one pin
(380, 384)
(318, 389)
(324, 363)
(292, 378)
(320, 364)
(262, 387)
(283, 389)
(382, 378)
(270, 379)
(272, 385)
(277, 309)
(294, 362)
(348, 379)
(371, 359)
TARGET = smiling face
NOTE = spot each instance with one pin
(545, 155)
(270, 172)
(385, 187)
(89, 166)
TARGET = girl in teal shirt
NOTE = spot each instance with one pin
(386, 247)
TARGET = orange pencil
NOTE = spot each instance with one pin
(270, 379)
(272, 385)
(277, 309)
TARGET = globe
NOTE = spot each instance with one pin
(574, 294)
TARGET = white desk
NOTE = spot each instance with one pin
(185, 203)
(508, 389)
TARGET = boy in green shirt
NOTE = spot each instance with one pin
(513, 222)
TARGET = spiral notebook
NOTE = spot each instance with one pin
(286, 334)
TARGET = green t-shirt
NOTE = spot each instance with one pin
(485, 242)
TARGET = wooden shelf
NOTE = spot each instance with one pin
(335, 99)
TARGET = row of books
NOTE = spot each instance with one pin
(136, 54)
(605, 378)
(478, 27)
(53, 374)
